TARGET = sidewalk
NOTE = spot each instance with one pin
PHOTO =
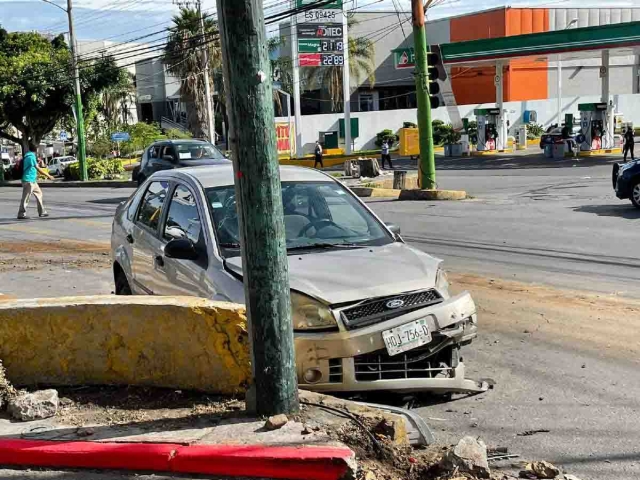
(109, 428)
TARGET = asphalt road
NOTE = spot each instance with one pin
(559, 226)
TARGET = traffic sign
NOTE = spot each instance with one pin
(63, 136)
(120, 137)
(319, 15)
(404, 58)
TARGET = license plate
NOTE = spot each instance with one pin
(406, 337)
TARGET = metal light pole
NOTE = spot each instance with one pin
(572, 22)
(82, 150)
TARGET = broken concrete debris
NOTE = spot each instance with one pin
(276, 422)
(33, 406)
(469, 456)
(540, 470)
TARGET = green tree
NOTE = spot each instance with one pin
(183, 58)
(36, 86)
(361, 66)
(115, 101)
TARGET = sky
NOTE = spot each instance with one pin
(122, 20)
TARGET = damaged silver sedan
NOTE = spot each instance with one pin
(369, 312)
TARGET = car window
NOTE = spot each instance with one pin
(196, 151)
(314, 213)
(151, 207)
(154, 152)
(183, 219)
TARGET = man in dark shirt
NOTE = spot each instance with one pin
(629, 141)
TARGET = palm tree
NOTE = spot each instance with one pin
(183, 58)
(115, 101)
(281, 70)
(361, 66)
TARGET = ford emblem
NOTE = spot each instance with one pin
(395, 303)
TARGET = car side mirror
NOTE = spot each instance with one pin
(181, 249)
(169, 158)
(393, 228)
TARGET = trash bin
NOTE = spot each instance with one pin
(558, 151)
(548, 151)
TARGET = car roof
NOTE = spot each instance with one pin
(222, 175)
(184, 140)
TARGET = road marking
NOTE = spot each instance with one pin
(91, 222)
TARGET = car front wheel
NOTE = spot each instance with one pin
(635, 194)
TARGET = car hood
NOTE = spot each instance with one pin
(204, 161)
(347, 275)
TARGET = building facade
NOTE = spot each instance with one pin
(525, 79)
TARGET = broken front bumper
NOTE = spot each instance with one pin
(357, 360)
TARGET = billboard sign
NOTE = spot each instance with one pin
(319, 15)
(285, 138)
(404, 58)
(307, 3)
(320, 46)
(333, 30)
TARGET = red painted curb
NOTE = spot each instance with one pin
(292, 463)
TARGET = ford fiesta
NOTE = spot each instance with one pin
(369, 311)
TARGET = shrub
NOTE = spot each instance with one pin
(534, 130)
(409, 125)
(96, 169)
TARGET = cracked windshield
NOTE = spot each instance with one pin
(319, 240)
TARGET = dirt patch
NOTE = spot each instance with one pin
(70, 247)
(606, 324)
(66, 254)
(81, 406)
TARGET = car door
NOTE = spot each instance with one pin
(155, 162)
(184, 219)
(145, 240)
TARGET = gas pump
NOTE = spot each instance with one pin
(487, 119)
(594, 126)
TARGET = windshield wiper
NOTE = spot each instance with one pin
(325, 245)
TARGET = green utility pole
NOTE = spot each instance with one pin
(427, 174)
(247, 77)
(82, 153)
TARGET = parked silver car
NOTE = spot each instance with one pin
(369, 311)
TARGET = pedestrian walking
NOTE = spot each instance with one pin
(30, 169)
(629, 142)
(385, 154)
(318, 155)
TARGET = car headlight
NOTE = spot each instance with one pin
(309, 314)
(442, 281)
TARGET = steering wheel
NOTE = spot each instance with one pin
(319, 225)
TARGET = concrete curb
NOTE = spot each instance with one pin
(92, 184)
(307, 462)
(432, 195)
(368, 192)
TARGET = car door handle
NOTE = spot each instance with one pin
(130, 238)
(160, 261)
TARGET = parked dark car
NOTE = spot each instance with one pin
(170, 154)
(626, 181)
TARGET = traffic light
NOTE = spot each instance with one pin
(433, 75)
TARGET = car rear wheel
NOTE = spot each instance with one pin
(122, 284)
(614, 175)
(635, 194)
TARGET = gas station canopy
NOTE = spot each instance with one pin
(618, 38)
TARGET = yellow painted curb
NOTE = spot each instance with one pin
(477, 153)
(432, 195)
(605, 151)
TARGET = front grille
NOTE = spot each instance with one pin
(374, 311)
(417, 363)
(335, 370)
